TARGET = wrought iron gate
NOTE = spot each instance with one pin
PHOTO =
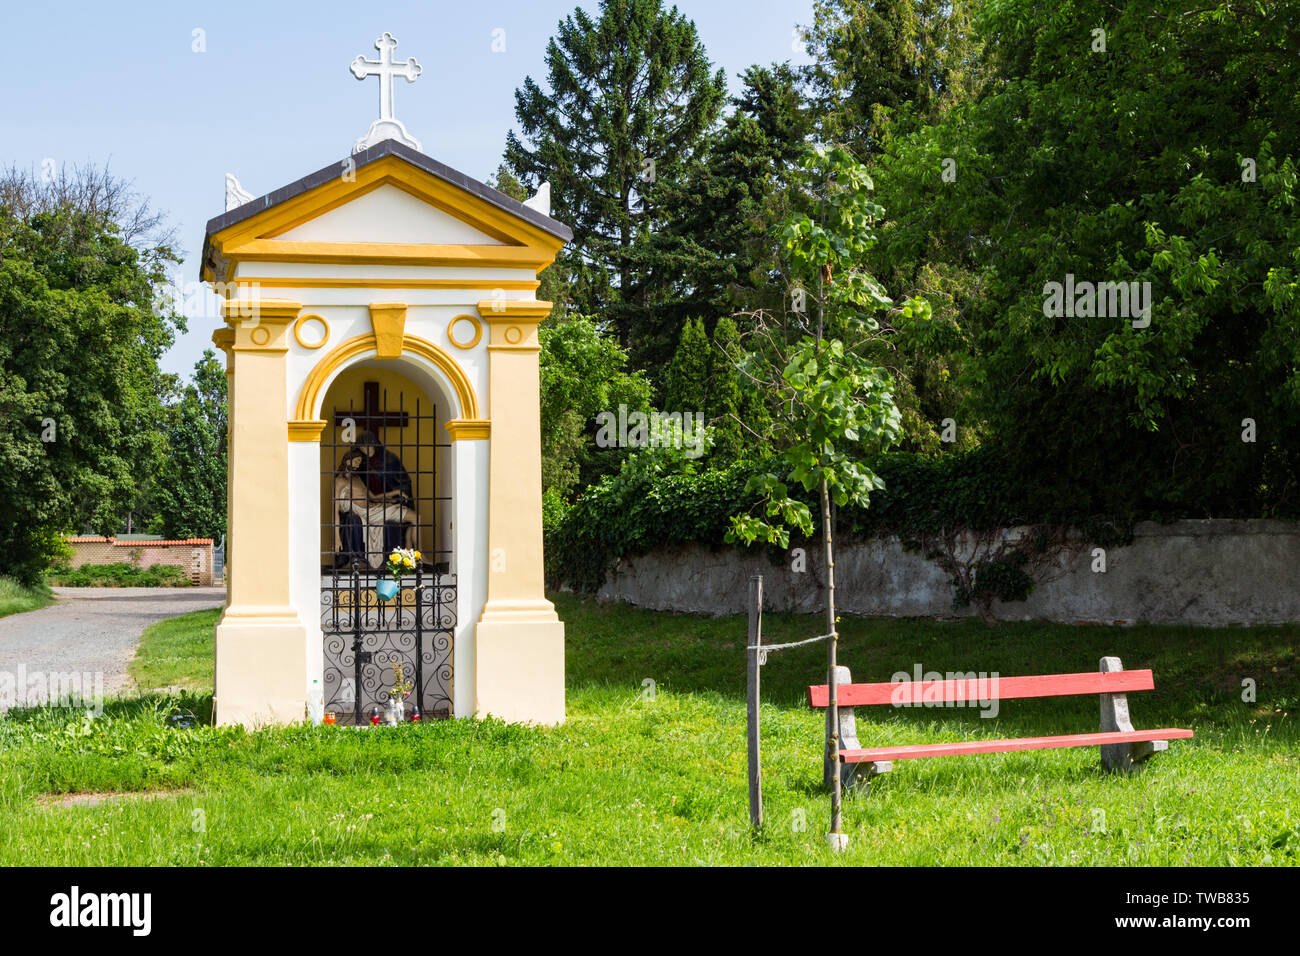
(365, 637)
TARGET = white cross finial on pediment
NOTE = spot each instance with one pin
(388, 126)
(236, 195)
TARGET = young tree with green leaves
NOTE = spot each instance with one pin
(1118, 143)
(583, 373)
(833, 410)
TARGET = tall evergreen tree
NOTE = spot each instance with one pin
(878, 59)
(724, 405)
(631, 98)
(688, 375)
(719, 238)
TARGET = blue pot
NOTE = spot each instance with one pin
(387, 590)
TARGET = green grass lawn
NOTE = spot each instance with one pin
(15, 598)
(660, 779)
(177, 653)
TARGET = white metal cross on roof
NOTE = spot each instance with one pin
(388, 126)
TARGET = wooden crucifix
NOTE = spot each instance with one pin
(372, 417)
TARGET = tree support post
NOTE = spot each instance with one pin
(753, 664)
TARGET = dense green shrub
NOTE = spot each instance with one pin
(656, 500)
(120, 574)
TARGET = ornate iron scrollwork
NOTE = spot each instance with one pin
(364, 637)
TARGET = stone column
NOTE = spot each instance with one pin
(261, 642)
(519, 672)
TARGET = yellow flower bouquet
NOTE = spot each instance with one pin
(401, 561)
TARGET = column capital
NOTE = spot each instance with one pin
(224, 339)
(260, 325)
(494, 311)
(255, 310)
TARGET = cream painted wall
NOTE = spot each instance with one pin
(353, 272)
(304, 584)
(470, 535)
(388, 214)
(524, 643)
(428, 322)
(463, 468)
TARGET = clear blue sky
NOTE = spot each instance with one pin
(271, 99)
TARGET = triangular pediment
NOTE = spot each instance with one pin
(388, 214)
(389, 205)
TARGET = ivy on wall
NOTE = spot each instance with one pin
(952, 508)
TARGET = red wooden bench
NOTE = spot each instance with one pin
(1121, 745)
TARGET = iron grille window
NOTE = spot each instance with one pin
(379, 472)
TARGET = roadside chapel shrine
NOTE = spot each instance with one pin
(382, 357)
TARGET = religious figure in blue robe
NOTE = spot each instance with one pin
(386, 479)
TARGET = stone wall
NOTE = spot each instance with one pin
(1212, 572)
(194, 555)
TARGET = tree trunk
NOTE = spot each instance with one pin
(833, 741)
(833, 730)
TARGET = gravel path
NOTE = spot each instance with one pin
(93, 630)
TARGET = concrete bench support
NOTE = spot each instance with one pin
(1114, 717)
(851, 774)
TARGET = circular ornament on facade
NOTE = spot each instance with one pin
(465, 341)
(260, 335)
(309, 337)
(514, 334)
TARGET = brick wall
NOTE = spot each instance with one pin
(192, 554)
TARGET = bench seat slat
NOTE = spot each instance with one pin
(916, 751)
(992, 688)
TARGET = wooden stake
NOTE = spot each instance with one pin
(751, 699)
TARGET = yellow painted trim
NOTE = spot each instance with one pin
(478, 332)
(469, 429)
(306, 431)
(310, 394)
(302, 320)
(391, 253)
(388, 319)
(511, 310)
(392, 171)
(333, 282)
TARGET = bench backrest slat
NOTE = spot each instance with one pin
(974, 689)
